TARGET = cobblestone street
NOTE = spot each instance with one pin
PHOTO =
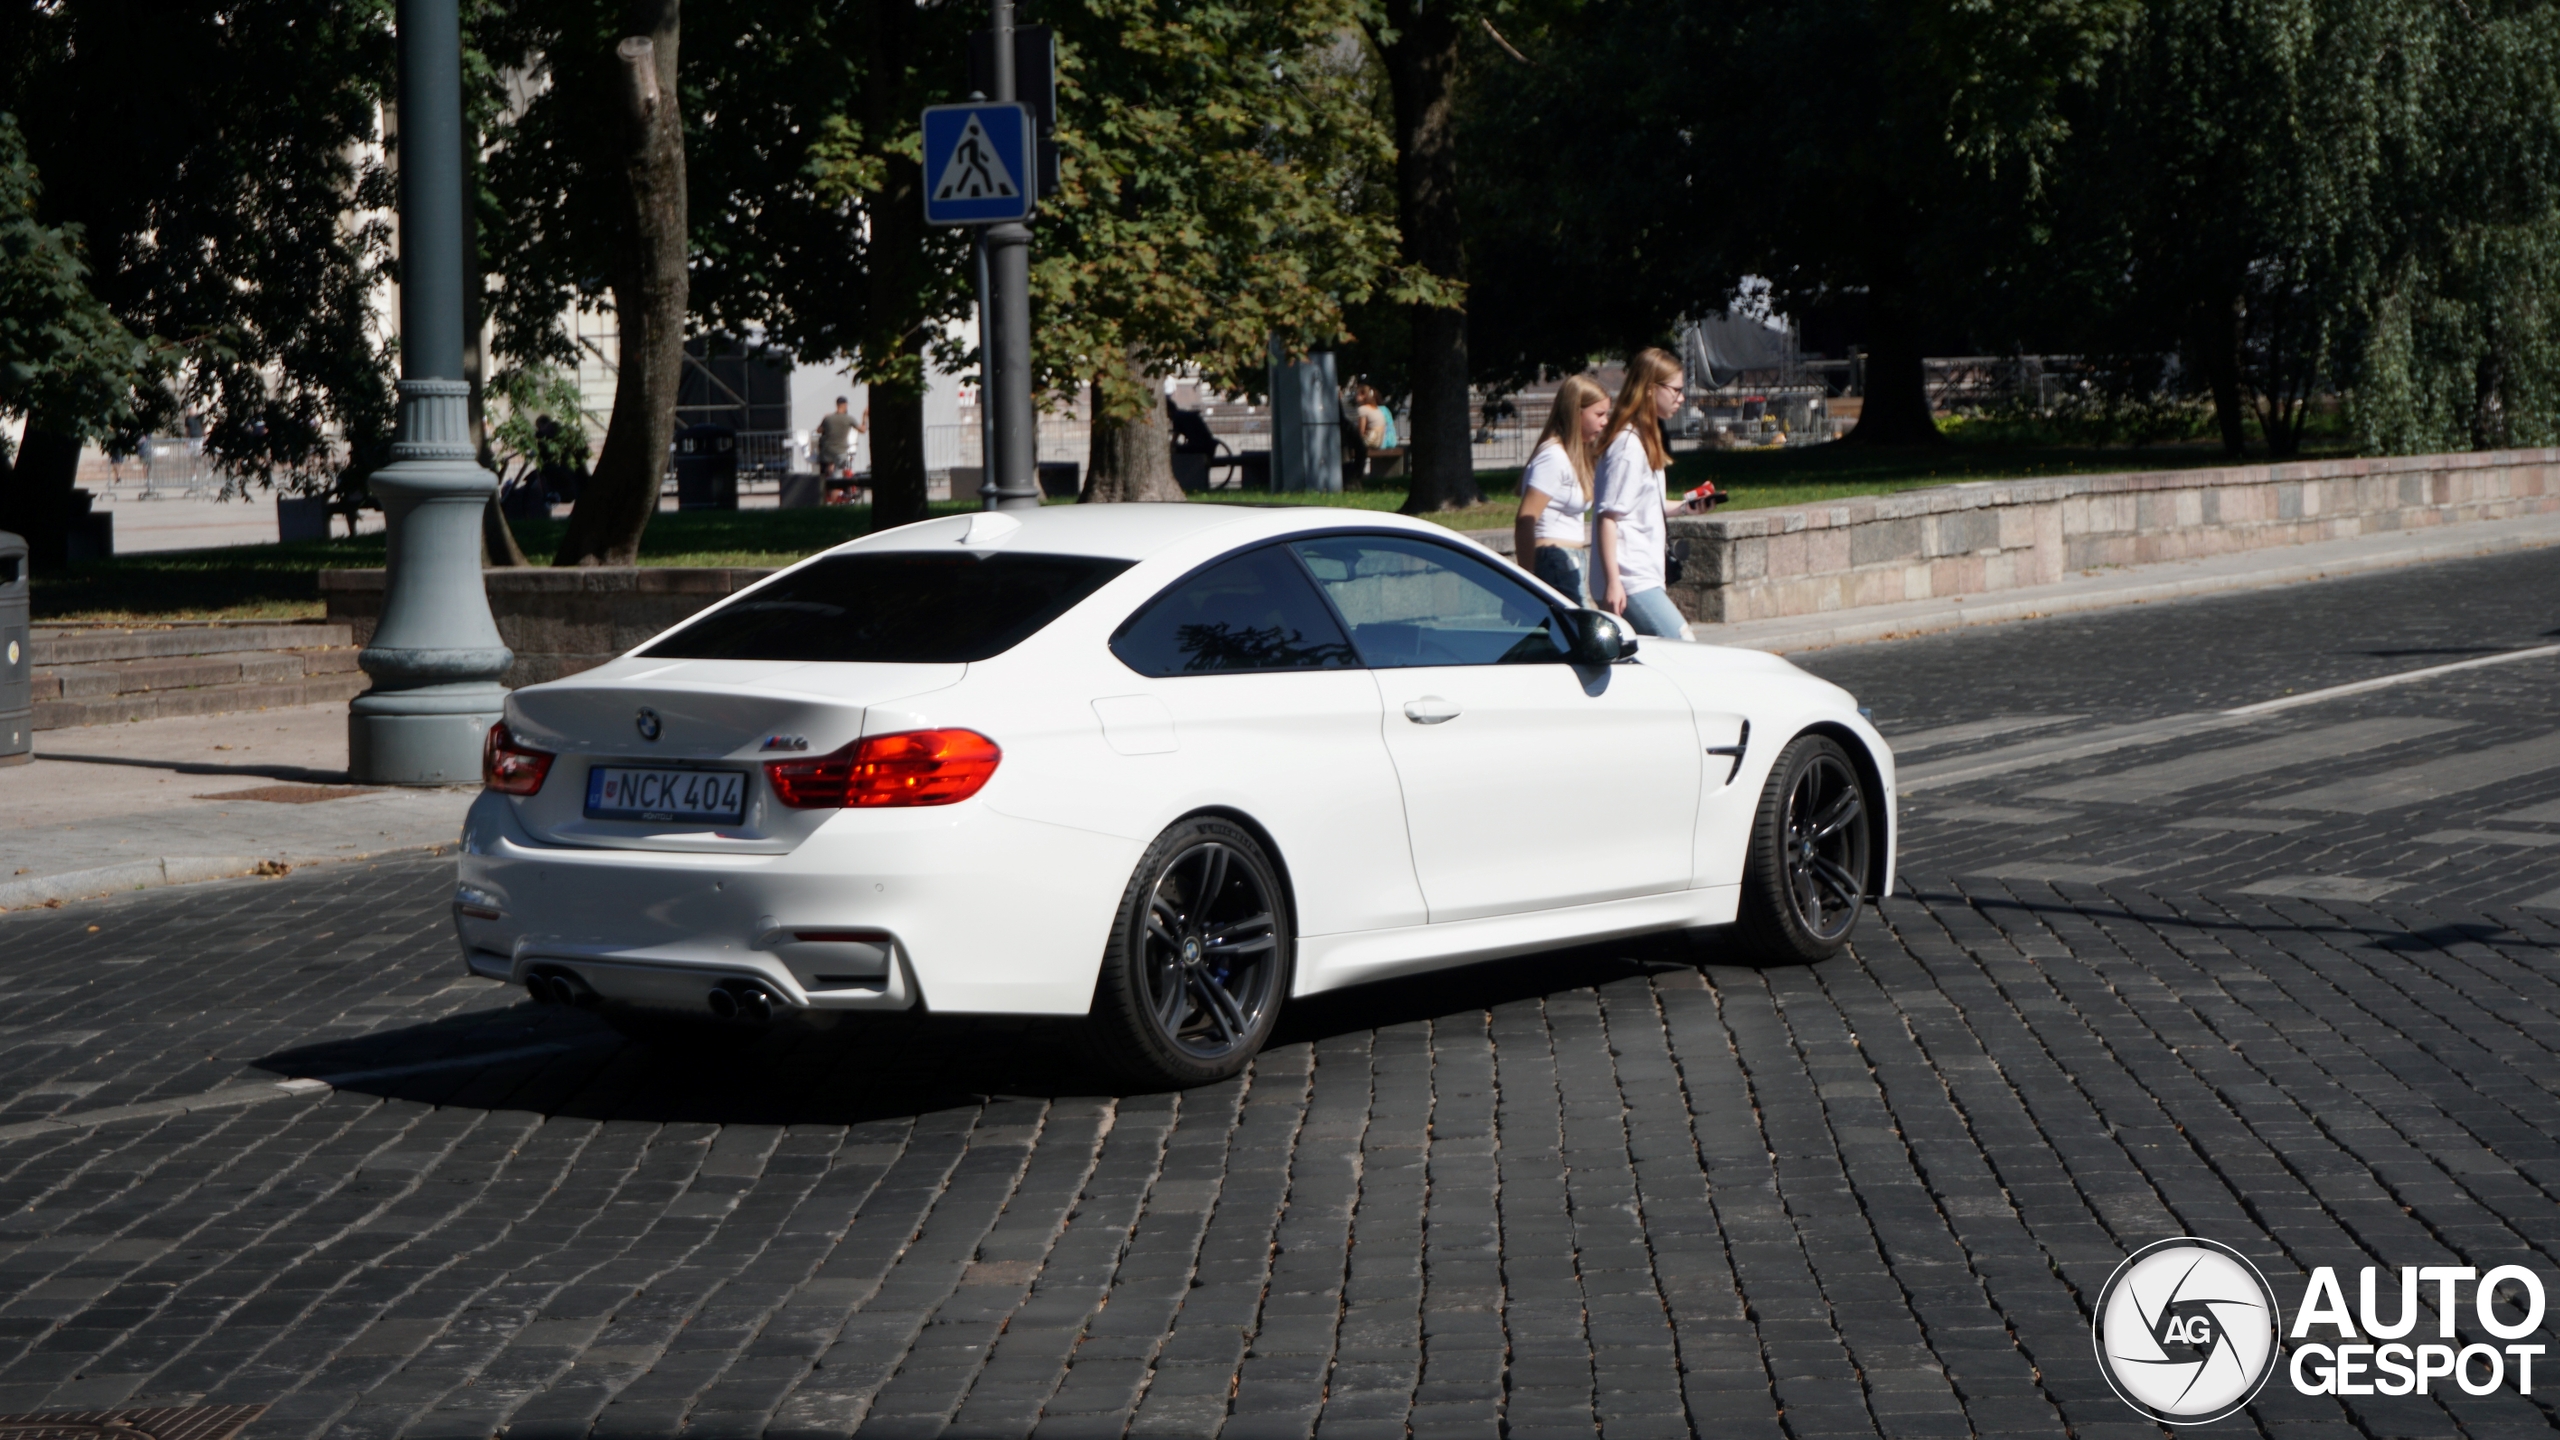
(2161, 964)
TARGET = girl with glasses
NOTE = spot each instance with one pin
(1631, 508)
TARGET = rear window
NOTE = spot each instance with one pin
(897, 607)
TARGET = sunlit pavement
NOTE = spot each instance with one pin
(2286, 981)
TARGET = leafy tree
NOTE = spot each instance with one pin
(2302, 196)
(1420, 46)
(2453, 340)
(62, 354)
(1899, 145)
(809, 162)
(225, 219)
(1590, 237)
(1205, 153)
(589, 178)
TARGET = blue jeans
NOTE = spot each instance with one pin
(1652, 613)
(1561, 568)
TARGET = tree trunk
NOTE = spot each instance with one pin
(1895, 410)
(2489, 427)
(894, 334)
(2218, 348)
(1132, 458)
(38, 503)
(616, 502)
(1422, 70)
(499, 538)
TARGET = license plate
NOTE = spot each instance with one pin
(615, 792)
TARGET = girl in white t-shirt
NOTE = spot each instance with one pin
(1630, 508)
(1555, 491)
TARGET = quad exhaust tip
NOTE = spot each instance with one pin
(559, 987)
(741, 1001)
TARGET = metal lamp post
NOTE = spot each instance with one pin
(436, 657)
(1011, 482)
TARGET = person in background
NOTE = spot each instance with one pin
(1631, 506)
(1377, 423)
(835, 441)
(1555, 489)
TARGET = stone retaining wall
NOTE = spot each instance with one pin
(1986, 536)
(560, 621)
(1976, 538)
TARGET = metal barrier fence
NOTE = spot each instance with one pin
(177, 466)
(1061, 437)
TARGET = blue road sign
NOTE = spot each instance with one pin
(977, 164)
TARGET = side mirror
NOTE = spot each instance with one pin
(1599, 638)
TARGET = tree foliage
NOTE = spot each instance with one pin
(63, 354)
(1207, 150)
(214, 161)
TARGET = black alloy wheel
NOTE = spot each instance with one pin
(1199, 961)
(1811, 846)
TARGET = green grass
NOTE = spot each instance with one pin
(1810, 474)
(262, 582)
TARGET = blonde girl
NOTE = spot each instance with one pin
(1555, 491)
(1630, 505)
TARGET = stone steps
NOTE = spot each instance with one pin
(106, 675)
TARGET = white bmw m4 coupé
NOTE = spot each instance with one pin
(1164, 766)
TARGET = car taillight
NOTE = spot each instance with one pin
(511, 768)
(915, 767)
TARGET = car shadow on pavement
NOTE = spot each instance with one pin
(571, 1064)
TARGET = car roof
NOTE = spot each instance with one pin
(1129, 531)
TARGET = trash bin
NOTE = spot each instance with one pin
(1060, 479)
(706, 468)
(17, 710)
(801, 490)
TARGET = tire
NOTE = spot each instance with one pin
(1804, 879)
(1199, 961)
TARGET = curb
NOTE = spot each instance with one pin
(132, 875)
(52, 890)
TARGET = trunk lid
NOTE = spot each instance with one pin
(715, 716)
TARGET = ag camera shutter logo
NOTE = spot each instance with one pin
(2186, 1331)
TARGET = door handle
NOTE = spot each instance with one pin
(1429, 710)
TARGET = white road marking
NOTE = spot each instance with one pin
(1972, 730)
(2057, 749)
(2240, 824)
(2324, 887)
(2314, 697)
(2237, 762)
(2527, 839)
(2433, 780)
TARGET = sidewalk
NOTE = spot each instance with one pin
(120, 807)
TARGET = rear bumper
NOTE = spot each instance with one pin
(955, 908)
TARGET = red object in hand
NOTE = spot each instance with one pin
(1706, 496)
(916, 767)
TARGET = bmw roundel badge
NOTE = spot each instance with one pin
(648, 723)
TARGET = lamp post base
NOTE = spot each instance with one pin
(421, 737)
(435, 657)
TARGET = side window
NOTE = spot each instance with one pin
(1411, 602)
(1254, 612)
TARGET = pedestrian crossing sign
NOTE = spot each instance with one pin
(977, 164)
